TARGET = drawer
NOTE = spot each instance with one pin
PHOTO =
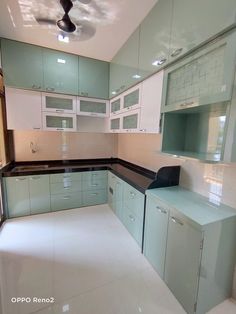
(133, 224)
(133, 199)
(66, 186)
(94, 184)
(94, 197)
(66, 176)
(66, 201)
(91, 175)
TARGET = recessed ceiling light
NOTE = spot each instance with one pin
(62, 38)
(136, 76)
(159, 62)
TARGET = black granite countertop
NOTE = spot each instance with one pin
(139, 177)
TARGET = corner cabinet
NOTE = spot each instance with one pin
(191, 243)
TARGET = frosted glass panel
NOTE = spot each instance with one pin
(115, 124)
(59, 122)
(115, 105)
(130, 122)
(131, 99)
(92, 106)
(59, 103)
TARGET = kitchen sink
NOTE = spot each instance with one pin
(30, 168)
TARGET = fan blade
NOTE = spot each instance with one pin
(44, 21)
(66, 5)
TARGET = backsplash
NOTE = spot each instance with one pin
(36, 145)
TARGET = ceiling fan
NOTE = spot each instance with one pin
(82, 29)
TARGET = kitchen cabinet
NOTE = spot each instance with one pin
(124, 68)
(59, 122)
(94, 188)
(206, 77)
(130, 121)
(115, 124)
(93, 78)
(193, 23)
(23, 109)
(22, 65)
(155, 37)
(39, 192)
(66, 201)
(95, 197)
(194, 244)
(92, 107)
(155, 233)
(131, 98)
(60, 72)
(115, 195)
(58, 103)
(151, 96)
(116, 104)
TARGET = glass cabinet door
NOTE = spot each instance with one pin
(132, 98)
(130, 122)
(92, 107)
(115, 105)
(58, 103)
(115, 125)
(59, 122)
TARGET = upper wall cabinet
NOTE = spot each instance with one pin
(124, 69)
(60, 72)
(193, 22)
(155, 38)
(93, 78)
(22, 65)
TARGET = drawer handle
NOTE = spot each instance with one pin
(177, 221)
(176, 52)
(131, 218)
(187, 104)
(50, 88)
(59, 110)
(60, 129)
(67, 188)
(36, 86)
(132, 194)
(94, 194)
(161, 210)
(35, 178)
(21, 179)
(66, 197)
(35, 128)
(94, 184)
(94, 174)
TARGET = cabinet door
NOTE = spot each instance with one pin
(194, 23)
(131, 98)
(22, 65)
(130, 121)
(119, 204)
(58, 103)
(183, 258)
(95, 197)
(66, 201)
(151, 103)
(155, 38)
(92, 107)
(115, 124)
(39, 194)
(59, 122)
(155, 234)
(116, 105)
(18, 199)
(60, 72)
(124, 66)
(93, 78)
(23, 109)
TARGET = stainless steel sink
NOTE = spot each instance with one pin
(30, 168)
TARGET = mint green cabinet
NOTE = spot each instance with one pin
(93, 78)
(22, 65)
(60, 72)
(194, 23)
(39, 194)
(134, 224)
(155, 38)
(183, 258)
(17, 196)
(94, 197)
(66, 200)
(125, 65)
(115, 195)
(155, 233)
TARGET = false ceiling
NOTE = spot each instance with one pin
(103, 26)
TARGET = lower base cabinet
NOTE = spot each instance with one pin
(66, 201)
(95, 197)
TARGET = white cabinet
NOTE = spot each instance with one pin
(116, 105)
(130, 121)
(58, 103)
(59, 122)
(151, 103)
(92, 107)
(23, 109)
(131, 98)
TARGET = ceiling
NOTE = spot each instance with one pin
(113, 20)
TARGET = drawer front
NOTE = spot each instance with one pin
(133, 224)
(94, 197)
(66, 201)
(94, 184)
(134, 200)
(66, 186)
(93, 175)
(65, 177)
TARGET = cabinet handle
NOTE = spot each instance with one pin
(66, 197)
(176, 52)
(50, 88)
(161, 210)
(94, 174)
(187, 104)
(142, 130)
(21, 179)
(94, 184)
(35, 178)
(60, 129)
(36, 86)
(59, 110)
(67, 188)
(177, 221)
(37, 128)
(131, 218)
(132, 194)
(93, 114)
(94, 194)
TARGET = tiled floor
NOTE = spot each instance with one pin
(84, 259)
